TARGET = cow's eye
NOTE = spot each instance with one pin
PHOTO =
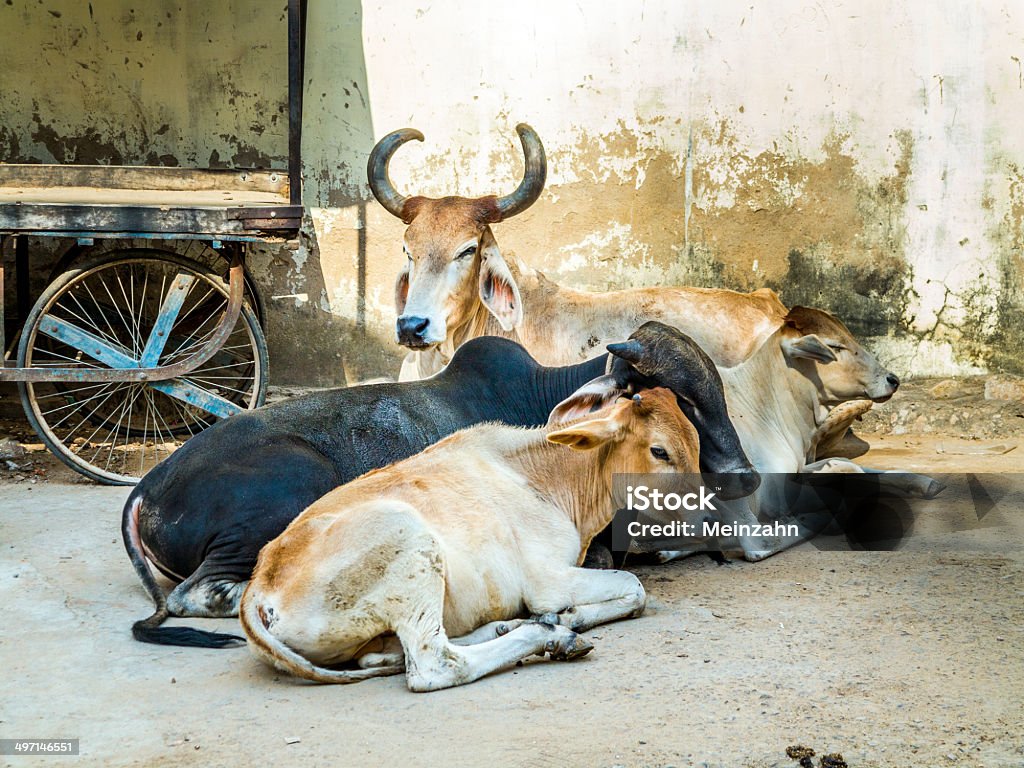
(466, 252)
(836, 347)
(659, 453)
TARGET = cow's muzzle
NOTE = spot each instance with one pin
(412, 331)
(892, 382)
(734, 485)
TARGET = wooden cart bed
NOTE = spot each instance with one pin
(140, 201)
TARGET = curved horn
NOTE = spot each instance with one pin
(631, 350)
(536, 172)
(377, 169)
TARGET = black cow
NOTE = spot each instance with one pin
(202, 516)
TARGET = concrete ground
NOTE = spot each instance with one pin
(914, 657)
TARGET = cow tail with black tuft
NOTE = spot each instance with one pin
(148, 630)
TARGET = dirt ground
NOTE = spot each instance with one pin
(912, 657)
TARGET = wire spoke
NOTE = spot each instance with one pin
(199, 343)
(131, 313)
(70, 393)
(114, 302)
(197, 375)
(87, 322)
(145, 432)
(88, 319)
(99, 308)
(90, 414)
(181, 414)
(206, 369)
(187, 313)
(102, 425)
(182, 351)
(133, 330)
(196, 381)
(127, 431)
(77, 403)
(81, 363)
(151, 396)
(110, 443)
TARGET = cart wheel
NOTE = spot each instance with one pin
(114, 311)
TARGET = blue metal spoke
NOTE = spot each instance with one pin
(87, 343)
(189, 393)
(169, 309)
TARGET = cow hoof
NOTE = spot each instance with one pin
(547, 618)
(568, 648)
(934, 489)
(668, 555)
(572, 619)
(381, 660)
(507, 626)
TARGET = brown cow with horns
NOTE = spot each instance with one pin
(456, 284)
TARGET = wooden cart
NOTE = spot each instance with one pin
(135, 346)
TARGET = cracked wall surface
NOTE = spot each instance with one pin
(864, 157)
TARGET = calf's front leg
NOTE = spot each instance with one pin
(829, 435)
(433, 662)
(491, 631)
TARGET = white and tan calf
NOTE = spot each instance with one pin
(453, 549)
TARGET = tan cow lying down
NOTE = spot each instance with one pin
(451, 548)
(456, 285)
(779, 402)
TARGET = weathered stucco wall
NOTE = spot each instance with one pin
(154, 82)
(865, 157)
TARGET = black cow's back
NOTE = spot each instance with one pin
(226, 492)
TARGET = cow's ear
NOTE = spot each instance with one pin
(809, 347)
(402, 288)
(498, 289)
(589, 434)
(592, 396)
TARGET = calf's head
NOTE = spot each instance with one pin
(658, 355)
(824, 350)
(452, 260)
(644, 433)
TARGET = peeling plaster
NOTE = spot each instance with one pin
(191, 84)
